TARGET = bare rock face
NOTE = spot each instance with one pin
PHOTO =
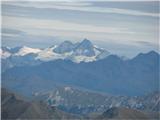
(15, 107)
(123, 113)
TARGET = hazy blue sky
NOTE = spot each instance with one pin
(124, 28)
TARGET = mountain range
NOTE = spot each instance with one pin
(77, 52)
(79, 78)
(109, 75)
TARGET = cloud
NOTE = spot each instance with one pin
(145, 43)
(65, 30)
(84, 7)
(6, 32)
(57, 21)
(74, 31)
(11, 31)
(9, 35)
(49, 25)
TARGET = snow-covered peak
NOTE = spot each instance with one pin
(86, 42)
(6, 48)
(76, 52)
(64, 47)
(83, 51)
(48, 54)
(85, 48)
(4, 54)
(26, 50)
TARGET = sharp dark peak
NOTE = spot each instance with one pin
(85, 44)
(86, 41)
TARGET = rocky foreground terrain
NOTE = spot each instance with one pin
(17, 107)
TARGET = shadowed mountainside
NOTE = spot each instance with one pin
(111, 75)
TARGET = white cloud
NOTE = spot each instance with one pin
(30, 23)
(69, 30)
(122, 32)
(83, 6)
(64, 30)
(10, 35)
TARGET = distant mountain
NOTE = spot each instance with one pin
(85, 48)
(15, 107)
(77, 52)
(64, 47)
(17, 51)
(18, 60)
(84, 51)
(83, 102)
(5, 52)
(18, 56)
(110, 75)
